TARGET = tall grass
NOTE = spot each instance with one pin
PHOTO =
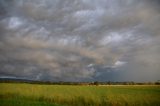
(69, 95)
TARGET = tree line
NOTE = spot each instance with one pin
(96, 83)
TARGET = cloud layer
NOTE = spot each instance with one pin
(80, 40)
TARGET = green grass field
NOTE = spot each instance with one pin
(19, 94)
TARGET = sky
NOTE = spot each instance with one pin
(80, 40)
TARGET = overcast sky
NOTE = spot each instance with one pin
(80, 40)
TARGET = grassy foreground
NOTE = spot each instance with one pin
(19, 94)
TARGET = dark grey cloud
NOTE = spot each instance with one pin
(80, 40)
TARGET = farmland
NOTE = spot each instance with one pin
(22, 94)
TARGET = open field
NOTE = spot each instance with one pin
(21, 94)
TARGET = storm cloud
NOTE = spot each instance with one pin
(80, 40)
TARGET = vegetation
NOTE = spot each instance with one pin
(22, 94)
(12, 80)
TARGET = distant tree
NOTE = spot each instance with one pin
(96, 83)
(109, 83)
(157, 83)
